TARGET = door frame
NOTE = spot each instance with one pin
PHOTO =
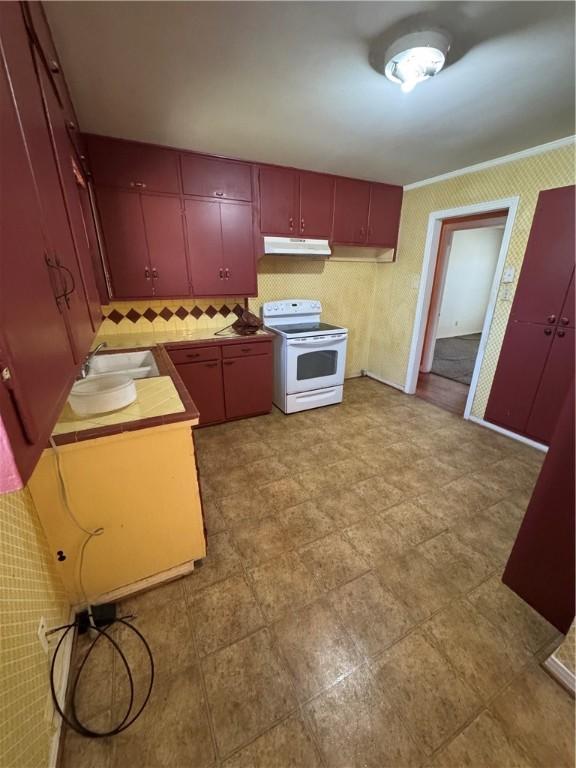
(435, 222)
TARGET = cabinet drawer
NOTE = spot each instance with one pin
(194, 354)
(247, 349)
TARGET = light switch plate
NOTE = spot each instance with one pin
(508, 275)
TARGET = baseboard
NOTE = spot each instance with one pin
(383, 381)
(507, 433)
(65, 654)
(561, 673)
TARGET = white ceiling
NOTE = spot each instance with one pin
(291, 82)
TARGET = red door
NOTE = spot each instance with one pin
(125, 243)
(549, 259)
(204, 383)
(238, 254)
(248, 385)
(211, 177)
(278, 201)
(522, 359)
(316, 205)
(554, 386)
(34, 344)
(567, 313)
(204, 236)
(384, 218)
(164, 226)
(351, 206)
(130, 165)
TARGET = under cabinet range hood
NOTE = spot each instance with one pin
(296, 246)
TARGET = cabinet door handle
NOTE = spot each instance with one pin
(219, 194)
(362, 232)
(211, 365)
(564, 320)
(302, 224)
(561, 333)
(547, 331)
(291, 224)
(54, 67)
(154, 273)
(228, 362)
(246, 349)
(551, 318)
(146, 273)
(67, 291)
(221, 273)
(226, 274)
(193, 354)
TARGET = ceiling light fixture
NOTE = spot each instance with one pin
(416, 57)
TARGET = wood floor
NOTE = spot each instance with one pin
(445, 393)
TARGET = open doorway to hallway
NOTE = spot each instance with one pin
(468, 254)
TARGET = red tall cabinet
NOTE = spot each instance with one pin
(536, 364)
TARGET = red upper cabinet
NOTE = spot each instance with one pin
(130, 165)
(351, 208)
(238, 249)
(384, 215)
(212, 177)
(316, 205)
(125, 243)
(164, 227)
(221, 248)
(549, 259)
(278, 201)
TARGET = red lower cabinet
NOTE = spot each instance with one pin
(234, 387)
(247, 385)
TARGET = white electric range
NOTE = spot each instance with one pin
(309, 356)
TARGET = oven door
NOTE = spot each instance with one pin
(315, 362)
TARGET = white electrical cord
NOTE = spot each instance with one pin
(90, 534)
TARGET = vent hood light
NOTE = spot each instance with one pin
(296, 246)
(415, 58)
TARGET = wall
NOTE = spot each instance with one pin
(471, 265)
(29, 589)
(397, 285)
(345, 288)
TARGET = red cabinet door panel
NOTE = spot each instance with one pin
(524, 352)
(84, 301)
(556, 381)
(238, 250)
(34, 343)
(278, 201)
(567, 312)
(384, 218)
(204, 383)
(316, 205)
(248, 385)
(351, 206)
(549, 259)
(130, 165)
(204, 235)
(211, 177)
(125, 243)
(164, 226)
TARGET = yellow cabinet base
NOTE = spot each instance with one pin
(128, 513)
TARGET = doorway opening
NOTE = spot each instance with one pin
(463, 281)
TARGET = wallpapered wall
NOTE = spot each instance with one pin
(397, 286)
(29, 589)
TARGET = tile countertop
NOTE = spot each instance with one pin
(150, 339)
(161, 400)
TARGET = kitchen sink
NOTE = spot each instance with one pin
(136, 365)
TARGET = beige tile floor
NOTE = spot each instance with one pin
(350, 611)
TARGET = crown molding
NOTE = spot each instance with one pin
(496, 161)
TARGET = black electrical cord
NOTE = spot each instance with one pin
(75, 722)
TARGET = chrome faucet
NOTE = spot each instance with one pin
(85, 369)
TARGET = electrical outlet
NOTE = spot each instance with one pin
(42, 629)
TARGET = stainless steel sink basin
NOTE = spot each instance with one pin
(137, 365)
